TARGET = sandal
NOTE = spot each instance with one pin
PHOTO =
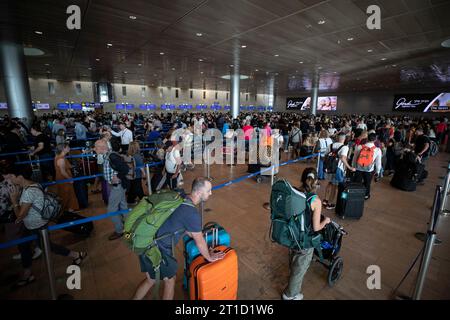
(24, 282)
(81, 256)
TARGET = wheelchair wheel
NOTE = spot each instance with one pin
(258, 179)
(335, 271)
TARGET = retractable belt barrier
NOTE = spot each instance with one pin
(88, 155)
(110, 214)
(28, 151)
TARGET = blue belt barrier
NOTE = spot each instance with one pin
(110, 214)
(28, 151)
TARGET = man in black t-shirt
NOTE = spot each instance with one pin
(43, 150)
(422, 145)
(185, 217)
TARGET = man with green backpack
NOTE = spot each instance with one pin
(154, 227)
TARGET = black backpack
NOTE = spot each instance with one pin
(331, 160)
(118, 164)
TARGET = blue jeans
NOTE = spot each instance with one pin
(286, 142)
(339, 177)
(117, 202)
(321, 172)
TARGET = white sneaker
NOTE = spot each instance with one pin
(296, 297)
(37, 253)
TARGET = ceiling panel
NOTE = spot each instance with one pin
(410, 38)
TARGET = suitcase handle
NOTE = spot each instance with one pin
(209, 225)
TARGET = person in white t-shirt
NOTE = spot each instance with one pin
(126, 136)
(173, 164)
(361, 125)
(339, 177)
(323, 147)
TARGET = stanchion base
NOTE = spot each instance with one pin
(422, 236)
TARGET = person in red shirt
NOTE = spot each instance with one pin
(248, 133)
(441, 128)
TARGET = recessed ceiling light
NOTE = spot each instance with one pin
(200, 60)
(133, 17)
(339, 41)
(38, 32)
(321, 22)
(232, 65)
(140, 64)
(350, 39)
(394, 65)
(49, 71)
(201, 72)
(383, 59)
(155, 75)
(308, 26)
(161, 53)
(319, 67)
(97, 59)
(446, 43)
(109, 44)
(256, 70)
(198, 34)
(276, 55)
(301, 62)
(173, 69)
(244, 46)
(181, 78)
(47, 64)
(89, 68)
(125, 72)
(370, 50)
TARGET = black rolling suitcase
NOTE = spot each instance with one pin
(84, 229)
(350, 200)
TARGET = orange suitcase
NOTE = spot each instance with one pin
(216, 280)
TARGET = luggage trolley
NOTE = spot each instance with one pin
(331, 245)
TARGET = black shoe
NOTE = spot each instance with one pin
(366, 197)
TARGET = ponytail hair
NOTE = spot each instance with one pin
(309, 180)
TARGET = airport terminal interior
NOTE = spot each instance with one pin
(346, 103)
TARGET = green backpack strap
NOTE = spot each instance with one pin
(315, 239)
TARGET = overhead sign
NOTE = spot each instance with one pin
(432, 102)
(302, 103)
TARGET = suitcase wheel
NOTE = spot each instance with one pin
(335, 271)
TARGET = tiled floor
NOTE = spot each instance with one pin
(383, 237)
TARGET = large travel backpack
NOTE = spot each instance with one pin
(330, 163)
(143, 222)
(365, 157)
(52, 205)
(290, 226)
(434, 149)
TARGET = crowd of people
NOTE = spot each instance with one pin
(118, 138)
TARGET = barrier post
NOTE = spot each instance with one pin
(147, 172)
(442, 209)
(318, 163)
(48, 261)
(272, 174)
(202, 209)
(431, 237)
